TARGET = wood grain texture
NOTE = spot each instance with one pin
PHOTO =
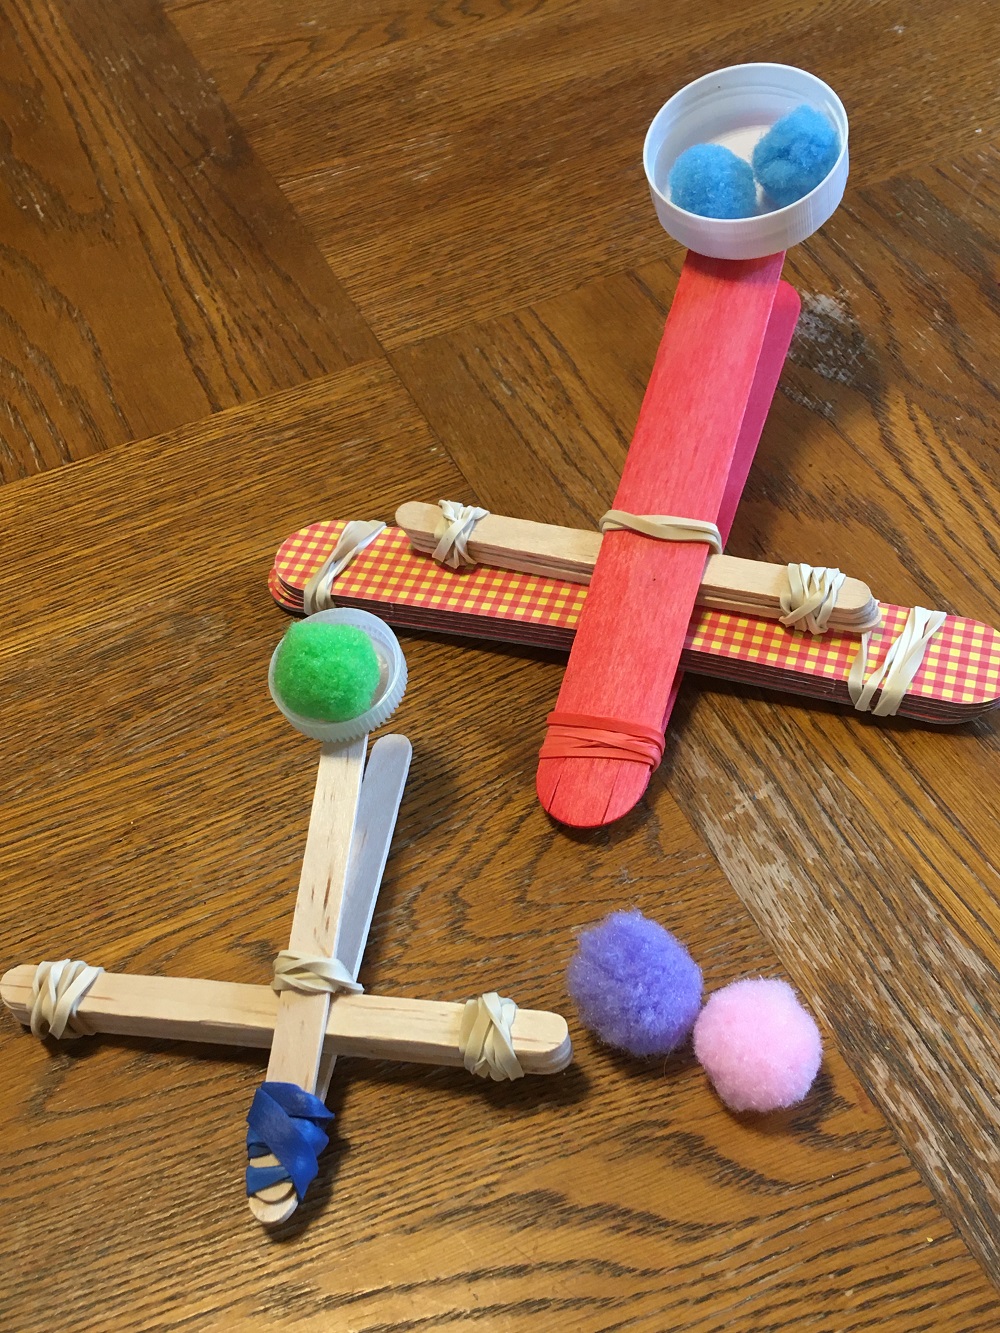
(151, 271)
(867, 850)
(610, 1196)
(478, 158)
(471, 173)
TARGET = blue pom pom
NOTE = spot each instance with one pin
(713, 182)
(796, 153)
(635, 985)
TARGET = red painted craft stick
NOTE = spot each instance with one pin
(642, 594)
(780, 327)
(777, 339)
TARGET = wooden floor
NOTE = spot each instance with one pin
(263, 263)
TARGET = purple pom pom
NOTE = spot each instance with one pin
(634, 984)
(758, 1045)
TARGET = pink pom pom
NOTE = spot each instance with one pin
(757, 1044)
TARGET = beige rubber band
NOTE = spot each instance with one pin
(901, 664)
(664, 527)
(56, 992)
(353, 540)
(311, 974)
(454, 528)
(484, 1038)
(811, 597)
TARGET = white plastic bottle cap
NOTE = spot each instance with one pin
(391, 685)
(735, 107)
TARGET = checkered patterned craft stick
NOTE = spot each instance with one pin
(958, 680)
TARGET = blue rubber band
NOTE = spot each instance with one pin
(284, 1120)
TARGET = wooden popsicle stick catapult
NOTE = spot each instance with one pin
(350, 830)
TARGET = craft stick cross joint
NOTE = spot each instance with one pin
(353, 816)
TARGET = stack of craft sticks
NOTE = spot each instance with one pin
(568, 555)
(230, 1013)
(958, 680)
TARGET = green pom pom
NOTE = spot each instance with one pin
(326, 672)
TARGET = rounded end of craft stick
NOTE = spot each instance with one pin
(589, 793)
(559, 1056)
(13, 985)
(273, 1214)
(389, 690)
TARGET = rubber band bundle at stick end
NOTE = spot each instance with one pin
(575, 746)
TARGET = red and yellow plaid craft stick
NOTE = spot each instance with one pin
(958, 680)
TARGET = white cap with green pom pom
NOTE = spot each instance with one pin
(388, 693)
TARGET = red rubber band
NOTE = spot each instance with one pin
(576, 736)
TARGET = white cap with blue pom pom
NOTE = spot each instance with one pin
(735, 107)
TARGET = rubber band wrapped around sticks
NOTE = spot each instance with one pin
(811, 597)
(453, 531)
(485, 1040)
(352, 541)
(287, 1122)
(900, 664)
(663, 527)
(312, 975)
(576, 736)
(57, 991)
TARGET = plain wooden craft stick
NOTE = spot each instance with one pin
(229, 1013)
(300, 1026)
(748, 587)
(382, 787)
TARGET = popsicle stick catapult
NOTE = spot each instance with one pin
(350, 830)
(531, 588)
(725, 341)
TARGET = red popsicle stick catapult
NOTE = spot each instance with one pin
(712, 384)
(715, 375)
